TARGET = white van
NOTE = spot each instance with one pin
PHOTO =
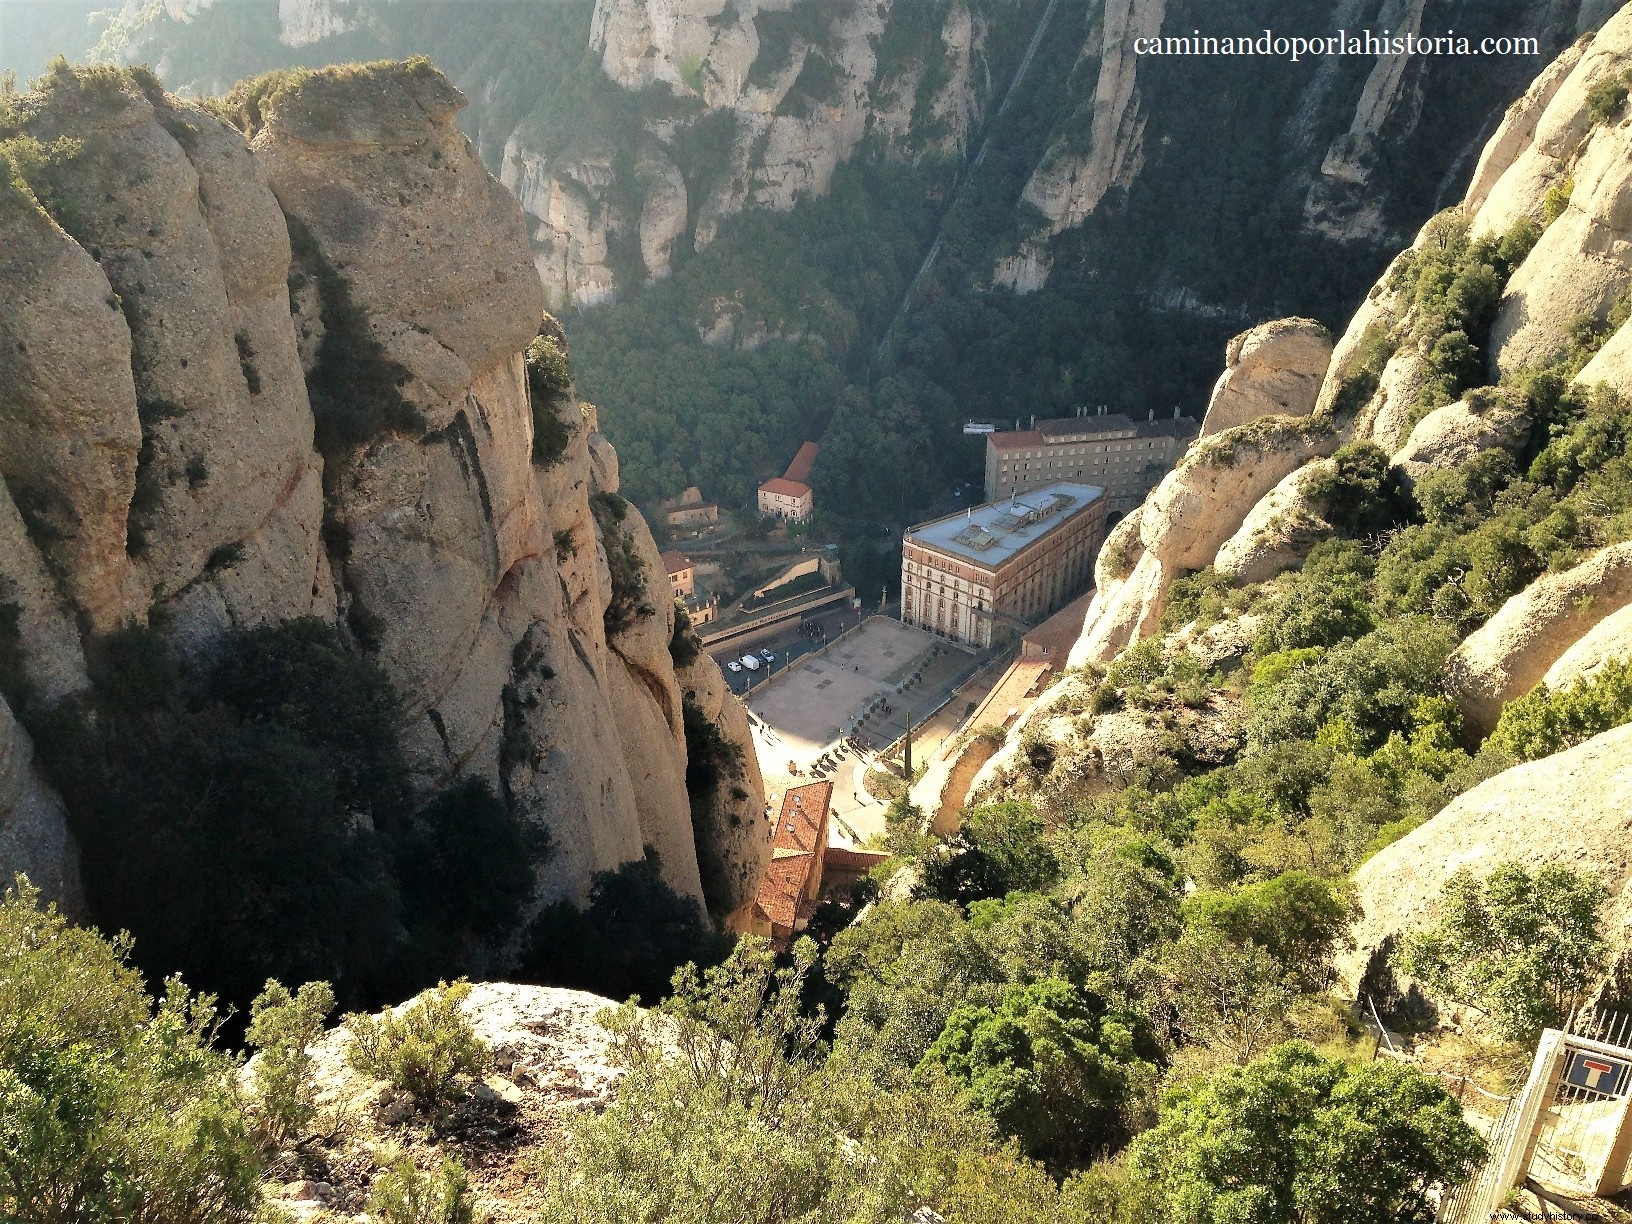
(751, 662)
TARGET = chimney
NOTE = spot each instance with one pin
(1034, 420)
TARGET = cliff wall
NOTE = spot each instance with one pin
(252, 380)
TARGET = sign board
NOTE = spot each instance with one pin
(1597, 1072)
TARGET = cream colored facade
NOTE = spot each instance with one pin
(1003, 565)
(1124, 457)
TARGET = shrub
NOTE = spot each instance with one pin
(282, 1027)
(628, 602)
(684, 644)
(1557, 199)
(114, 1109)
(1522, 947)
(402, 1194)
(1606, 98)
(420, 1048)
(1296, 1138)
(549, 387)
(1545, 721)
(1361, 492)
(1365, 371)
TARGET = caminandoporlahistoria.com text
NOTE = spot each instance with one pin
(1343, 42)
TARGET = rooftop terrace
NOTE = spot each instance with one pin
(989, 535)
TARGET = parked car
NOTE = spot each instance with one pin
(768, 656)
(733, 665)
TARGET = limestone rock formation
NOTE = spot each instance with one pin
(1506, 656)
(1069, 183)
(1610, 639)
(1279, 531)
(551, 1058)
(1582, 263)
(477, 575)
(1275, 369)
(1193, 513)
(1451, 435)
(1568, 809)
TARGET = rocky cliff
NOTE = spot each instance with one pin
(208, 426)
(1543, 228)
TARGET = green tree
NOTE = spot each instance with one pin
(1295, 1138)
(1054, 1065)
(1000, 849)
(1297, 918)
(114, 1109)
(1521, 946)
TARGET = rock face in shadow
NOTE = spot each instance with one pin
(315, 401)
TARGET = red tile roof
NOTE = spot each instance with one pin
(800, 828)
(1014, 441)
(675, 561)
(786, 487)
(799, 469)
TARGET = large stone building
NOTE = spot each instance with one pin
(788, 496)
(1124, 457)
(980, 574)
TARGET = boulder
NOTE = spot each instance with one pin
(1449, 436)
(1187, 518)
(1508, 654)
(1568, 809)
(1275, 369)
(1577, 270)
(1279, 531)
(1610, 638)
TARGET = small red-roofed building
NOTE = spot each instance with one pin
(792, 882)
(682, 576)
(788, 496)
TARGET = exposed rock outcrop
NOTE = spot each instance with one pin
(1610, 639)
(1187, 518)
(1279, 531)
(1519, 815)
(477, 576)
(1451, 435)
(1275, 369)
(34, 837)
(1070, 182)
(1505, 657)
(1581, 265)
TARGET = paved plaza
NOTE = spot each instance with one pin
(802, 713)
